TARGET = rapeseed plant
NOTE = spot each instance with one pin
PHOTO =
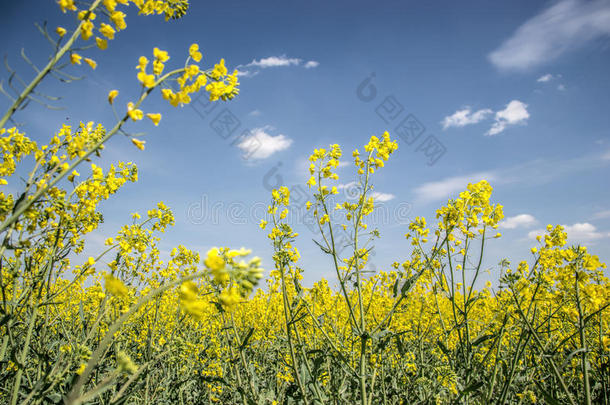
(128, 327)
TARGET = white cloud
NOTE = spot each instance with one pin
(347, 185)
(439, 190)
(246, 73)
(253, 68)
(561, 87)
(254, 113)
(606, 156)
(546, 78)
(562, 27)
(311, 64)
(261, 145)
(584, 231)
(602, 214)
(274, 61)
(579, 232)
(518, 221)
(514, 113)
(465, 117)
(382, 197)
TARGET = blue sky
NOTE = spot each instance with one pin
(514, 92)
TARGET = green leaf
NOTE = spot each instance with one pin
(443, 348)
(244, 341)
(472, 387)
(54, 397)
(482, 339)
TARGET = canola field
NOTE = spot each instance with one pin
(221, 327)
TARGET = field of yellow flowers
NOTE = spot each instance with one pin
(195, 329)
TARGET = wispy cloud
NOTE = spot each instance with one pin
(562, 27)
(246, 73)
(602, 214)
(311, 64)
(518, 221)
(254, 113)
(254, 67)
(382, 197)
(465, 117)
(545, 78)
(532, 173)
(274, 61)
(514, 113)
(438, 190)
(343, 163)
(260, 145)
(578, 232)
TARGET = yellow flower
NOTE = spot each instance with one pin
(219, 70)
(229, 298)
(139, 144)
(91, 63)
(168, 94)
(158, 67)
(60, 31)
(146, 80)
(107, 30)
(142, 63)
(115, 286)
(134, 113)
(194, 52)
(213, 260)
(101, 43)
(263, 224)
(81, 368)
(75, 58)
(155, 118)
(160, 55)
(73, 175)
(110, 4)
(86, 30)
(66, 5)
(188, 291)
(112, 95)
(118, 18)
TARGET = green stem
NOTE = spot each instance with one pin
(73, 397)
(22, 358)
(583, 345)
(45, 71)
(288, 320)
